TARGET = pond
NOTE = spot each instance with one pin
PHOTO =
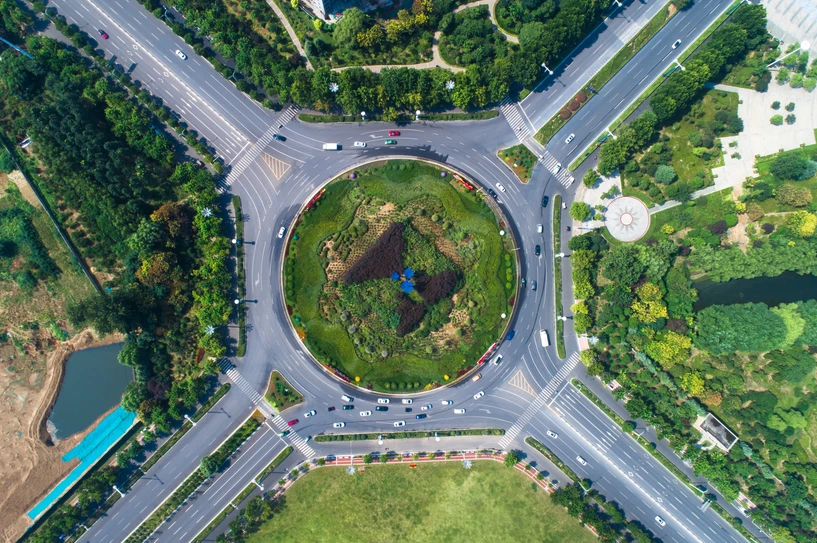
(785, 288)
(94, 382)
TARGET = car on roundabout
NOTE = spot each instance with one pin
(284, 433)
(394, 132)
(293, 422)
(381, 408)
(501, 187)
(383, 400)
(479, 394)
(420, 416)
(348, 407)
(391, 142)
(365, 413)
(338, 425)
(279, 137)
(360, 144)
(426, 407)
(447, 402)
(407, 401)
(459, 411)
(282, 231)
(538, 250)
(331, 408)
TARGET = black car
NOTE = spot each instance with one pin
(420, 416)
(538, 250)
(279, 137)
(522, 283)
(348, 407)
(493, 194)
(408, 409)
(331, 408)
(381, 408)
(510, 335)
(545, 200)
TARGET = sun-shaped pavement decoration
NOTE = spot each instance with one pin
(627, 218)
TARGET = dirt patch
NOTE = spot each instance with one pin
(31, 464)
(737, 234)
(26, 191)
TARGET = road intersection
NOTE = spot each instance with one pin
(527, 395)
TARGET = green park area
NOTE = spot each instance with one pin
(398, 278)
(432, 503)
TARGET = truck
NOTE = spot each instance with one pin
(543, 335)
(331, 147)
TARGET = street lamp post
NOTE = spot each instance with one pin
(363, 114)
(417, 115)
(548, 70)
(804, 46)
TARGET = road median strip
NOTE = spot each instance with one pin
(400, 118)
(558, 306)
(410, 435)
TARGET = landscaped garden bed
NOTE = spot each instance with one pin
(280, 394)
(398, 277)
(519, 159)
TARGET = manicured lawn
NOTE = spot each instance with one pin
(437, 503)
(520, 160)
(763, 164)
(698, 213)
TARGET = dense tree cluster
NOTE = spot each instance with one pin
(380, 260)
(433, 288)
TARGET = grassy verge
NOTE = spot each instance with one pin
(655, 84)
(613, 66)
(553, 458)
(241, 278)
(274, 464)
(193, 482)
(566, 112)
(436, 501)
(401, 118)
(411, 435)
(520, 160)
(558, 308)
(280, 394)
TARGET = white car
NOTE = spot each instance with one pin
(426, 407)
(501, 187)
(310, 413)
(676, 44)
(346, 398)
(660, 521)
(184, 57)
(554, 435)
(581, 460)
(497, 360)
(365, 413)
(399, 423)
(339, 424)
(540, 228)
(459, 411)
(383, 400)
(360, 144)
(407, 401)
(557, 168)
(282, 231)
(479, 394)
(570, 138)
(447, 402)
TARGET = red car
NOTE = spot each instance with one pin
(394, 132)
(103, 34)
(293, 422)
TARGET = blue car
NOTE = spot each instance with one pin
(420, 416)
(510, 335)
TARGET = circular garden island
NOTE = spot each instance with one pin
(397, 277)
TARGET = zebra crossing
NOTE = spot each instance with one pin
(294, 438)
(510, 111)
(550, 162)
(257, 148)
(230, 371)
(540, 400)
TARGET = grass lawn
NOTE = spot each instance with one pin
(280, 394)
(519, 159)
(698, 213)
(438, 502)
(763, 164)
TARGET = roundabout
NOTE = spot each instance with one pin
(399, 276)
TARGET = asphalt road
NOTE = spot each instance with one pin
(525, 394)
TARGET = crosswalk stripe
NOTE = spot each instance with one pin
(510, 111)
(540, 400)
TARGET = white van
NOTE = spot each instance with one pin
(543, 335)
(331, 146)
(346, 398)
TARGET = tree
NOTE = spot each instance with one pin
(590, 178)
(665, 174)
(776, 105)
(790, 106)
(792, 167)
(693, 383)
(802, 223)
(6, 162)
(580, 211)
(649, 307)
(788, 194)
(628, 427)
(790, 118)
(621, 265)
(353, 22)
(511, 458)
(209, 465)
(613, 155)
(783, 76)
(367, 458)
(739, 327)
(776, 120)
(669, 348)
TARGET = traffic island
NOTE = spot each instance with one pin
(520, 160)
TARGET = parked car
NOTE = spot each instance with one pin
(381, 408)
(394, 132)
(282, 231)
(554, 435)
(293, 422)
(365, 413)
(511, 334)
(391, 142)
(339, 424)
(420, 416)
(407, 400)
(479, 394)
(659, 520)
(360, 144)
(459, 411)
(103, 34)
(570, 138)
(279, 137)
(181, 55)
(383, 400)
(348, 407)
(399, 423)
(581, 460)
(538, 250)
(310, 413)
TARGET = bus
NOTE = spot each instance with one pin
(543, 335)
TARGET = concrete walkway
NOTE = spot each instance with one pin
(292, 35)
